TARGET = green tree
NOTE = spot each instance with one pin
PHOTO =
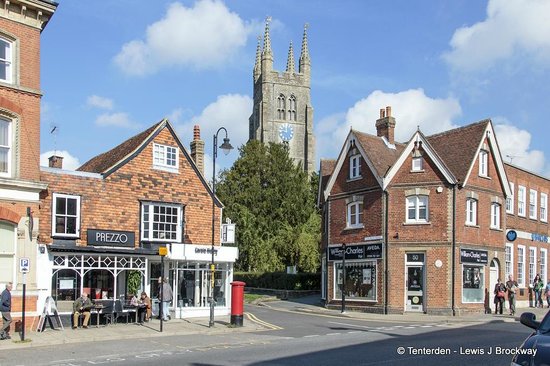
(272, 201)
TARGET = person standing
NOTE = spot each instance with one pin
(166, 299)
(538, 286)
(511, 288)
(82, 305)
(5, 308)
(499, 291)
(547, 291)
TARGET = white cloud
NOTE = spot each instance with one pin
(119, 119)
(69, 162)
(514, 146)
(512, 28)
(99, 102)
(206, 35)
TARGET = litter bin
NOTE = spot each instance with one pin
(155, 307)
(237, 300)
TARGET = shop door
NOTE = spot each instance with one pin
(415, 288)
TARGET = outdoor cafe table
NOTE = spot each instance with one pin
(96, 308)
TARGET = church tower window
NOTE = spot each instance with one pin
(292, 108)
(281, 106)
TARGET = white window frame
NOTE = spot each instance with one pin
(510, 200)
(543, 207)
(77, 217)
(532, 264)
(147, 229)
(10, 255)
(522, 192)
(8, 61)
(483, 161)
(471, 211)
(160, 157)
(495, 215)
(521, 266)
(543, 264)
(532, 204)
(509, 260)
(8, 147)
(354, 220)
(355, 166)
(417, 202)
(417, 164)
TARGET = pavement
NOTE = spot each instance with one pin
(190, 326)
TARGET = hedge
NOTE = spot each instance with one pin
(280, 280)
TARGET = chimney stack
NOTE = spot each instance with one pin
(385, 125)
(197, 149)
(55, 162)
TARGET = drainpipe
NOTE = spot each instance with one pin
(386, 261)
(453, 257)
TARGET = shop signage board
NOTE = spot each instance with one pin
(361, 251)
(113, 238)
(473, 256)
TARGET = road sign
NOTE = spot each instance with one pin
(24, 265)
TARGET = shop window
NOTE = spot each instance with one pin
(66, 215)
(359, 282)
(194, 285)
(165, 157)
(473, 284)
(417, 209)
(161, 222)
(7, 251)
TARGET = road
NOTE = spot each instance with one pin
(300, 339)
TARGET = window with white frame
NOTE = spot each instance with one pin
(471, 211)
(532, 204)
(510, 200)
(532, 264)
(521, 200)
(355, 166)
(417, 164)
(6, 60)
(5, 146)
(543, 261)
(8, 248)
(495, 215)
(417, 209)
(65, 215)
(354, 214)
(483, 158)
(521, 266)
(543, 207)
(165, 157)
(508, 260)
(161, 222)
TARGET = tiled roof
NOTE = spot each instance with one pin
(326, 170)
(381, 156)
(102, 162)
(458, 147)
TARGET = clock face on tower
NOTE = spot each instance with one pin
(286, 132)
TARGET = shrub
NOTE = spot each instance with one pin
(280, 280)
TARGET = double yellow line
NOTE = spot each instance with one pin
(253, 318)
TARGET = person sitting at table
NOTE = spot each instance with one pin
(144, 308)
(82, 305)
(134, 302)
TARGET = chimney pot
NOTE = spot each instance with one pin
(196, 132)
(388, 111)
(382, 115)
(55, 162)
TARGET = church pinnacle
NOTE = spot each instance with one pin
(290, 61)
(267, 41)
(258, 64)
(304, 55)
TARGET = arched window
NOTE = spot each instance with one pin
(281, 106)
(292, 108)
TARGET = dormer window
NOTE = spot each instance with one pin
(417, 164)
(483, 159)
(355, 166)
(165, 158)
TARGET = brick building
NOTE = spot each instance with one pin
(21, 24)
(422, 222)
(110, 216)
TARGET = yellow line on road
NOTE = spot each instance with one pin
(256, 320)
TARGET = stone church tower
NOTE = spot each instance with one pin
(282, 111)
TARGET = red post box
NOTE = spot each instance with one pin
(237, 300)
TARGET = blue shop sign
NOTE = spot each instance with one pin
(539, 237)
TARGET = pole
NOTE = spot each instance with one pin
(343, 278)
(212, 265)
(23, 312)
(161, 305)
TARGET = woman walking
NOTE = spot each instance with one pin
(499, 291)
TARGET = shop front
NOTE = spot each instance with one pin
(473, 263)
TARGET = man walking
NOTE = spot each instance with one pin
(166, 298)
(5, 308)
(512, 287)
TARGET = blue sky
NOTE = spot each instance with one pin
(111, 69)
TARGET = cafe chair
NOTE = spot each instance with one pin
(108, 311)
(119, 311)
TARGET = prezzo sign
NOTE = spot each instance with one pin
(365, 251)
(473, 256)
(111, 238)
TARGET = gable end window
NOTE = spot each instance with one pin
(483, 158)
(161, 222)
(417, 209)
(417, 164)
(165, 157)
(6, 60)
(354, 215)
(65, 215)
(355, 166)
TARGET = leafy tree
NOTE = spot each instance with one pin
(272, 201)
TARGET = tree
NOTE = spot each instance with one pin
(273, 204)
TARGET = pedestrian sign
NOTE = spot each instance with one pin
(24, 265)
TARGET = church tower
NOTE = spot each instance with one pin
(282, 111)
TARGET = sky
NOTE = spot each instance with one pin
(111, 69)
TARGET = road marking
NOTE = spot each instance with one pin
(352, 325)
(331, 334)
(256, 320)
(310, 336)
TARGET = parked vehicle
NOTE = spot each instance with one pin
(535, 350)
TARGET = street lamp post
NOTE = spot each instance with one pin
(226, 147)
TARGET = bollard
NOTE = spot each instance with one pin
(237, 300)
